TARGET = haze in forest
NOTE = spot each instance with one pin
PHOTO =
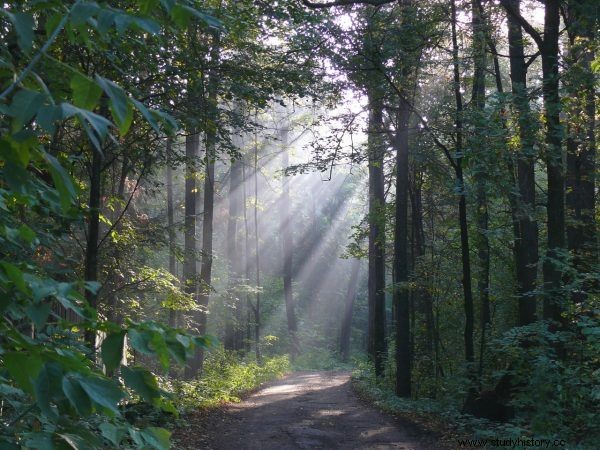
(291, 219)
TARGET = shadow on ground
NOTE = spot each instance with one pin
(316, 410)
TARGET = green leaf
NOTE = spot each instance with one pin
(146, 6)
(62, 181)
(26, 234)
(86, 92)
(24, 368)
(112, 350)
(82, 12)
(205, 341)
(167, 4)
(120, 107)
(142, 382)
(38, 313)
(46, 385)
(147, 25)
(25, 105)
(102, 392)
(113, 433)
(15, 275)
(140, 340)
(157, 437)
(176, 350)
(47, 117)
(180, 16)
(160, 349)
(122, 22)
(24, 25)
(76, 395)
(39, 441)
(99, 125)
(153, 117)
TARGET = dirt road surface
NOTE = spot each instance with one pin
(316, 410)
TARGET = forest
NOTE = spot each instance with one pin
(396, 198)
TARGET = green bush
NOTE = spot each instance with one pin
(225, 379)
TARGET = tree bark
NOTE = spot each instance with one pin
(256, 256)
(346, 328)
(376, 234)
(93, 235)
(582, 239)
(477, 141)
(210, 133)
(287, 246)
(462, 204)
(526, 243)
(171, 222)
(234, 321)
(555, 258)
(189, 235)
(401, 292)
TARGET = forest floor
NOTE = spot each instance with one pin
(304, 410)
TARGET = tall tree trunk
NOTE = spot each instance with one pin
(425, 300)
(401, 293)
(346, 328)
(555, 258)
(477, 141)
(256, 256)
(233, 322)
(462, 205)
(171, 222)
(210, 133)
(93, 236)
(189, 275)
(376, 234)
(526, 243)
(249, 305)
(582, 237)
(287, 245)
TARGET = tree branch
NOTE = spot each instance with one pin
(535, 35)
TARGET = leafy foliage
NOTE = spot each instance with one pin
(55, 394)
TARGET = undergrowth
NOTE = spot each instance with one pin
(441, 416)
(225, 378)
(319, 359)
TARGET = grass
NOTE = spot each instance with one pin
(225, 378)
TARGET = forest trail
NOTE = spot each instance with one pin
(304, 410)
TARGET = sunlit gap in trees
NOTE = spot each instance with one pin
(321, 213)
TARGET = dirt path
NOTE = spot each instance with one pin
(316, 410)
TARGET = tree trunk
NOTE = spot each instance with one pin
(189, 235)
(477, 141)
(249, 305)
(376, 234)
(233, 322)
(171, 223)
(526, 243)
(256, 256)
(401, 293)
(93, 235)
(287, 246)
(425, 300)
(582, 237)
(555, 258)
(462, 205)
(210, 132)
(346, 328)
